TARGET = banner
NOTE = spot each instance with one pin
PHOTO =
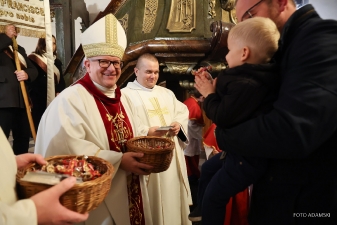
(32, 19)
(28, 16)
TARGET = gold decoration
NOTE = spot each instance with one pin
(150, 14)
(26, 32)
(182, 16)
(186, 84)
(211, 9)
(227, 5)
(179, 68)
(124, 22)
(232, 16)
(111, 46)
(157, 111)
(121, 131)
(228, 11)
(103, 49)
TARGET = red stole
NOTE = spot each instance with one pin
(194, 109)
(119, 130)
(209, 138)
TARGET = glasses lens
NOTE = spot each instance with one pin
(248, 14)
(106, 63)
(116, 64)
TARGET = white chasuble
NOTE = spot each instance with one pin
(72, 125)
(169, 191)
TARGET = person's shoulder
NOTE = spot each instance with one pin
(128, 88)
(164, 90)
(312, 20)
(3, 36)
(161, 88)
(72, 91)
(58, 62)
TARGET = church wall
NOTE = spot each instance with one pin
(326, 9)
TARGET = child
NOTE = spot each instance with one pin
(244, 90)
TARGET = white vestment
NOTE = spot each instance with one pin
(12, 211)
(71, 125)
(194, 146)
(169, 191)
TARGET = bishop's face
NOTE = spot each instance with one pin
(147, 73)
(104, 70)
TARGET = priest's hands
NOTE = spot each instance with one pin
(129, 163)
(153, 131)
(175, 129)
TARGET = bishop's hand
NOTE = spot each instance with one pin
(129, 163)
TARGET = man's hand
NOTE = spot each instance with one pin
(129, 163)
(11, 31)
(175, 129)
(24, 159)
(21, 75)
(154, 132)
(49, 209)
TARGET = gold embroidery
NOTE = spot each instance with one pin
(134, 193)
(158, 111)
(121, 130)
(111, 46)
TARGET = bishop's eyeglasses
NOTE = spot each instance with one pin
(103, 63)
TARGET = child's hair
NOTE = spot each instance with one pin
(259, 34)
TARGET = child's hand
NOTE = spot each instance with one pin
(204, 86)
(203, 71)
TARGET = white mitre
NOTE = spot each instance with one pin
(105, 37)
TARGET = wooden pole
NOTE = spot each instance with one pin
(23, 90)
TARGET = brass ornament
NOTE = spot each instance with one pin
(182, 16)
(150, 14)
(124, 22)
(228, 11)
(211, 9)
(180, 69)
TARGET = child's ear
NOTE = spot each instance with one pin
(245, 54)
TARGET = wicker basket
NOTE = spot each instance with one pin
(82, 197)
(157, 151)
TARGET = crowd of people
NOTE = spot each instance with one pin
(273, 110)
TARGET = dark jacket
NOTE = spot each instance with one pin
(300, 134)
(10, 91)
(242, 92)
(39, 86)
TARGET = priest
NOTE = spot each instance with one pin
(156, 106)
